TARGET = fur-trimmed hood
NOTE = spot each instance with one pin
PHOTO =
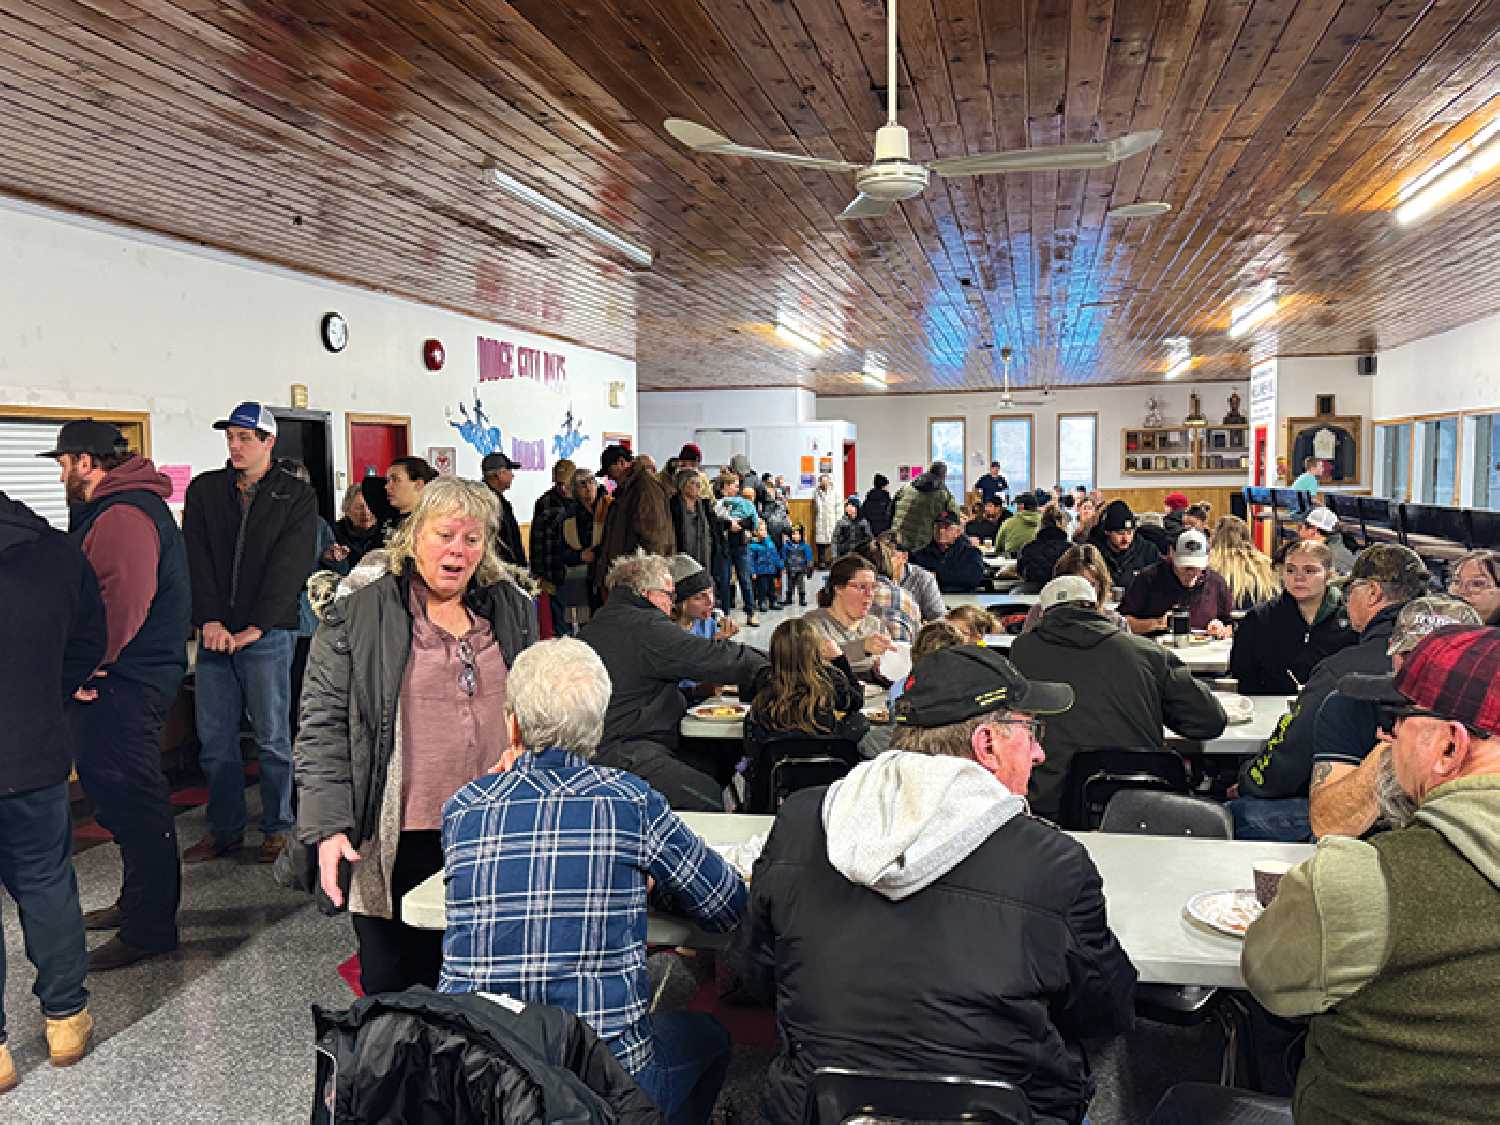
(326, 588)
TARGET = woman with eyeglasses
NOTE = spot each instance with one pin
(1279, 642)
(844, 615)
(404, 705)
(1476, 578)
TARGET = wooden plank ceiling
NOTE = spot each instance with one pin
(348, 140)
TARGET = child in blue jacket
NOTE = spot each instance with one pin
(798, 559)
(765, 565)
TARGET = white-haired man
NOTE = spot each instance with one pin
(1392, 945)
(548, 864)
(648, 656)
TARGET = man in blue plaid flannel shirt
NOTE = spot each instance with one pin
(548, 864)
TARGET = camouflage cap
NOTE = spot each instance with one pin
(1427, 614)
(1389, 562)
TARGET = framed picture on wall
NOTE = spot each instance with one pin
(1334, 439)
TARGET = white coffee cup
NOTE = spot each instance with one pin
(1268, 875)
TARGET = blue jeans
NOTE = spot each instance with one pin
(36, 867)
(254, 681)
(740, 559)
(692, 1058)
(1285, 819)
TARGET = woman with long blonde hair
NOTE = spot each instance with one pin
(1233, 556)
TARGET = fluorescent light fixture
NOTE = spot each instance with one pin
(1476, 156)
(521, 193)
(806, 344)
(1260, 306)
(876, 381)
(1146, 210)
(1179, 367)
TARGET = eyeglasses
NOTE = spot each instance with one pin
(860, 587)
(467, 683)
(1038, 727)
(1472, 586)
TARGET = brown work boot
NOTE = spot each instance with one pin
(210, 847)
(68, 1038)
(271, 847)
(8, 1077)
(109, 917)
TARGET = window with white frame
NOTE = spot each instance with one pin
(1077, 450)
(1485, 474)
(945, 443)
(1393, 460)
(1010, 444)
(1437, 482)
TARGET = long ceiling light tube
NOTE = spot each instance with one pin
(521, 193)
(1476, 156)
(1261, 306)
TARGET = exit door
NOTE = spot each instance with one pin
(374, 442)
(307, 436)
(851, 474)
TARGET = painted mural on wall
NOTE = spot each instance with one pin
(476, 428)
(566, 441)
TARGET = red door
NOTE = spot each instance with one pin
(373, 446)
(851, 477)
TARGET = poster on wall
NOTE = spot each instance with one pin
(825, 466)
(807, 480)
(180, 476)
(443, 458)
(806, 468)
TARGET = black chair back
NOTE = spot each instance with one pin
(782, 766)
(1380, 520)
(791, 774)
(1484, 527)
(1351, 523)
(836, 1095)
(1146, 812)
(1095, 776)
(1438, 535)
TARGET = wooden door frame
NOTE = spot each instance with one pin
(125, 419)
(351, 420)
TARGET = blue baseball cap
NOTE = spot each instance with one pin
(250, 415)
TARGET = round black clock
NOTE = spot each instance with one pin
(335, 332)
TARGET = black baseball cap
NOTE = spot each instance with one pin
(494, 462)
(955, 684)
(98, 439)
(612, 456)
(945, 518)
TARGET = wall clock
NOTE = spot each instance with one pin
(335, 332)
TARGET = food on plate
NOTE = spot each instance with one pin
(1229, 912)
(720, 711)
(879, 715)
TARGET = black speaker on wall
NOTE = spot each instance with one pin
(1366, 365)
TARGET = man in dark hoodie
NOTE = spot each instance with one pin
(52, 637)
(118, 515)
(1125, 552)
(953, 560)
(919, 504)
(915, 917)
(1272, 788)
(251, 530)
(1131, 687)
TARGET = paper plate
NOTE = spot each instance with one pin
(1238, 708)
(720, 712)
(1228, 912)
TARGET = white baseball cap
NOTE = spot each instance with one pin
(1323, 519)
(1068, 589)
(1191, 549)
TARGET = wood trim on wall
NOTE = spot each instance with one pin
(134, 424)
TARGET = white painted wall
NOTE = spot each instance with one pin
(98, 317)
(1457, 370)
(1300, 379)
(893, 428)
(781, 427)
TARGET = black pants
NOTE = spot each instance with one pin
(796, 582)
(392, 955)
(765, 591)
(119, 765)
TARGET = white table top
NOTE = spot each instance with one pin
(1210, 658)
(1147, 882)
(1239, 739)
(984, 601)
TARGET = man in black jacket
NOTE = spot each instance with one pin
(118, 515)
(52, 637)
(915, 917)
(1272, 787)
(953, 560)
(648, 655)
(1125, 552)
(499, 474)
(251, 530)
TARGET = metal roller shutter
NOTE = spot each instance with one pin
(28, 478)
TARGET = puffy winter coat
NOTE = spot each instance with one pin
(826, 508)
(1038, 559)
(918, 505)
(693, 526)
(877, 509)
(849, 534)
(423, 1058)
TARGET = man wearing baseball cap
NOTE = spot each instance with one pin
(1271, 793)
(1392, 945)
(1125, 552)
(251, 530)
(1346, 767)
(916, 917)
(639, 518)
(1127, 687)
(1322, 526)
(1180, 581)
(499, 472)
(951, 558)
(117, 513)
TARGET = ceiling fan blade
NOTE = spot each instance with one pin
(865, 207)
(1053, 158)
(700, 138)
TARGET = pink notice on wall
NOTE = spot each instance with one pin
(180, 476)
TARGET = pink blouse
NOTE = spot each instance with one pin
(452, 713)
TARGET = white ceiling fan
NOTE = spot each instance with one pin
(1007, 399)
(893, 176)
